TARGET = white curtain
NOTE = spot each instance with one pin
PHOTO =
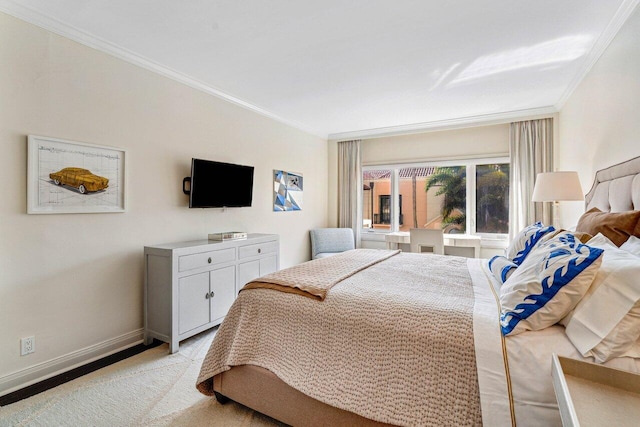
(350, 187)
(531, 148)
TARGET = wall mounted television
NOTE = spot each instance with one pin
(219, 185)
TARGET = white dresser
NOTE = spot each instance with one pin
(189, 286)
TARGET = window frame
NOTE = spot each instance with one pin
(471, 193)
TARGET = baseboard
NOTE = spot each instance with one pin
(67, 362)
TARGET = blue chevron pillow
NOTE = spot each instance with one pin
(548, 284)
(526, 240)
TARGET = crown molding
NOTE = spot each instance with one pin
(448, 124)
(48, 23)
(622, 14)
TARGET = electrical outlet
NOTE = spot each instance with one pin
(27, 345)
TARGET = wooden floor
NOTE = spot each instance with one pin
(52, 382)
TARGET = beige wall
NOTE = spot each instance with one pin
(75, 281)
(600, 123)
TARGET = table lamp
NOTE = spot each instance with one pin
(557, 186)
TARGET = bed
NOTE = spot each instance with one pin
(373, 337)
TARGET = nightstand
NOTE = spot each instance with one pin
(595, 395)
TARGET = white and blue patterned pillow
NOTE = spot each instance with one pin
(526, 240)
(548, 284)
(501, 267)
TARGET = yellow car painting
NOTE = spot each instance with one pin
(79, 178)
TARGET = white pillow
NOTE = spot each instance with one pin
(525, 241)
(606, 322)
(632, 245)
(548, 284)
(599, 241)
(501, 267)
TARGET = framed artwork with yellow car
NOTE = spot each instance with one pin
(74, 177)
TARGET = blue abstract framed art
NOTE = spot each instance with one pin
(287, 189)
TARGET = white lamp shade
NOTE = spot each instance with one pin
(557, 186)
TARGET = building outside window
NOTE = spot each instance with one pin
(385, 210)
(469, 197)
(376, 183)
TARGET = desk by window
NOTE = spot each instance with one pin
(454, 244)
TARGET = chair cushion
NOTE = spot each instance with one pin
(326, 254)
(331, 240)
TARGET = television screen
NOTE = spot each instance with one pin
(217, 185)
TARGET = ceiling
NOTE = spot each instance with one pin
(339, 68)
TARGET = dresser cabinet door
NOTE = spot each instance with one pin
(193, 301)
(247, 271)
(268, 265)
(223, 293)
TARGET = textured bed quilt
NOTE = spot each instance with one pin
(393, 342)
(314, 279)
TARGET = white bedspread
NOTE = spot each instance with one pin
(493, 380)
(530, 361)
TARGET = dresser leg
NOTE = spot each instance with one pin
(147, 339)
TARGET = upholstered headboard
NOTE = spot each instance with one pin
(616, 188)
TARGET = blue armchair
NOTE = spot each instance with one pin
(330, 241)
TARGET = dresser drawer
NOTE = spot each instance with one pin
(248, 251)
(190, 262)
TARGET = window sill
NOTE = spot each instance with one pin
(374, 236)
(487, 242)
(494, 243)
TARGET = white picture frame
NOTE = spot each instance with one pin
(69, 177)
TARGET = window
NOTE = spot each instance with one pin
(492, 198)
(385, 210)
(470, 196)
(376, 183)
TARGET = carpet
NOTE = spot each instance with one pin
(153, 388)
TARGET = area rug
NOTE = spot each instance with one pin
(153, 388)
